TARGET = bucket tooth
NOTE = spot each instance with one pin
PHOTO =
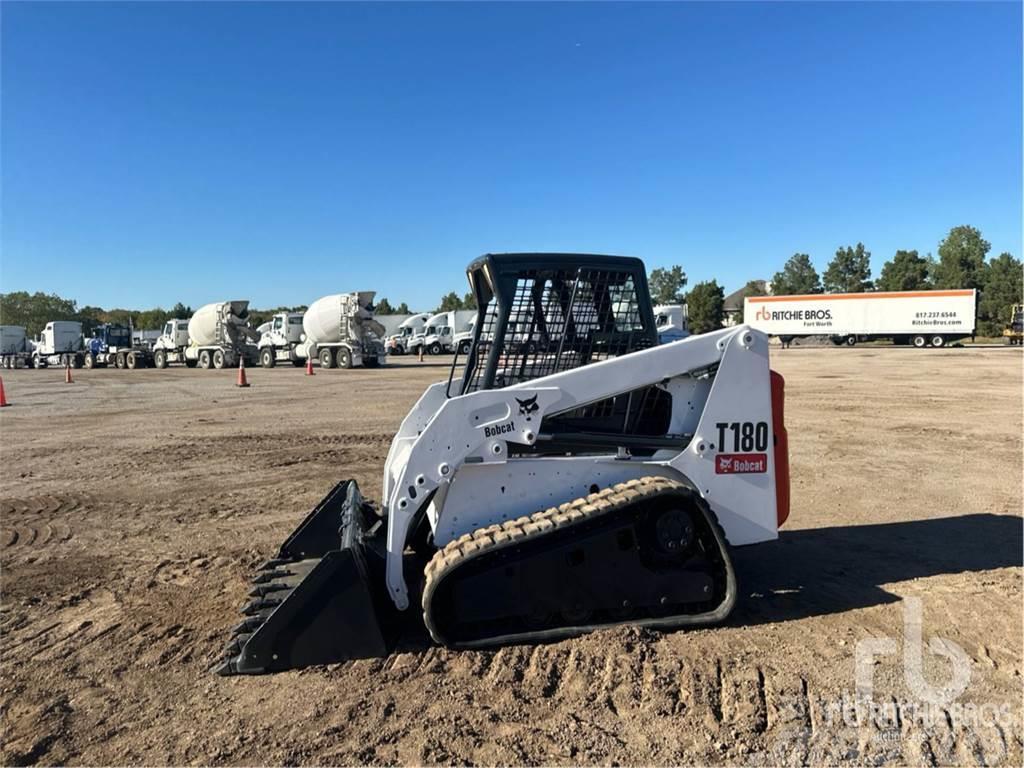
(265, 589)
(260, 604)
(273, 563)
(265, 576)
(247, 626)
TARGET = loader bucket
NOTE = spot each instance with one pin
(315, 603)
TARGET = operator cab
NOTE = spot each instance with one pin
(542, 314)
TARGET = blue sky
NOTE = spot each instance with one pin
(153, 153)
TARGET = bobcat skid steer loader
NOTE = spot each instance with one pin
(569, 474)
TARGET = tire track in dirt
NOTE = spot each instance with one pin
(617, 695)
(34, 525)
(282, 449)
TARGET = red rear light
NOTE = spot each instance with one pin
(781, 447)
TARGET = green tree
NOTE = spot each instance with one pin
(125, 317)
(906, 271)
(403, 309)
(705, 306)
(798, 276)
(181, 312)
(752, 288)
(1004, 284)
(384, 307)
(666, 285)
(34, 311)
(469, 301)
(152, 319)
(90, 317)
(962, 259)
(849, 271)
(449, 302)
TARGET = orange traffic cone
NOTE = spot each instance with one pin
(3, 395)
(241, 373)
(67, 374)
(309, 366)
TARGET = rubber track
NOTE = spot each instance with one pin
(514, 532)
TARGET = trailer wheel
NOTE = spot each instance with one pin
(267, 358)
(131, 360)
(204, 359)
(344, 358)
(326, 357)
(938, 341)
(160, 359)
(218, 359)
(89, 361)
(919, 341)
(851, 341)
(119, 360)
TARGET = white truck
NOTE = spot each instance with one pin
(60, 343)
(397, 343)
(672, 322)
(439, 334)
(217, 336)
(338, 330)
(15, 350)
(920, 318)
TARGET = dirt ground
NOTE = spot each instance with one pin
(135, 504)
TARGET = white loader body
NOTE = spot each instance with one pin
(458, 448)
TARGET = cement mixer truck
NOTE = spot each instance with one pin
(217, 336)
(337, 330)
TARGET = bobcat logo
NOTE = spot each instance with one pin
(724, 463)
(528, 406)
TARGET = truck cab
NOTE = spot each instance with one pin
(280, 338)
(172, 344)
(109, 337)
(439, 341)
(111, 343)
(672, 322)
(398, 343)
(60, 343)
(174, 336)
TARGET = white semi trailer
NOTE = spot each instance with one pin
(15, 351)
(920, 318)
(60, 343)
(337, 330)
(397, 343)
(217, 336)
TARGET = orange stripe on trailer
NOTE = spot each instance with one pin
(781, 448)
(841, 296)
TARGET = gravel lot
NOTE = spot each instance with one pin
(135, 504)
